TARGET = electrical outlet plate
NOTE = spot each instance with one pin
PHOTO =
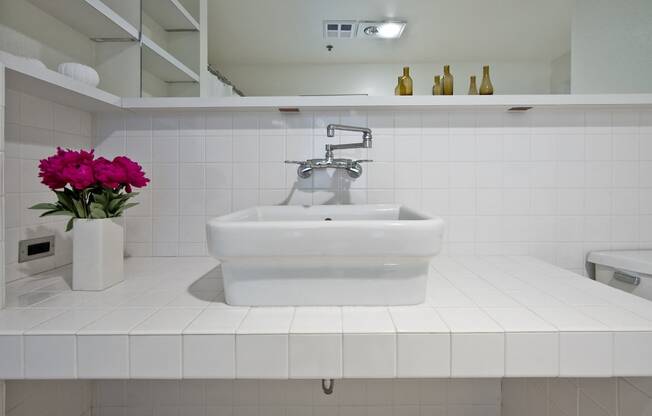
(35, 248)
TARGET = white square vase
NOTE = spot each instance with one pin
(97, 254)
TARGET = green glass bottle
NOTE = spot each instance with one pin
(473, 88)
(405, 86)
(447, 81)
(437, 88)
(486, 88)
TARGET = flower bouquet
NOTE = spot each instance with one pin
(87, 187)
(92, 191)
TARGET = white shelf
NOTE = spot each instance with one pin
(163, 65)
(393, 102)
(50, 85)
(170, 14)
(93, 18)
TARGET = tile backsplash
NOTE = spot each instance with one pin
(351, 397)
(34, 128)
(630, 396)
(299, 397)
(549, 183)
(61, 397)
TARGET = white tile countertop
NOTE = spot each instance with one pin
(493, 316)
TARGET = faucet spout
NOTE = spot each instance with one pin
(366, 138)
(366, 132)
(352, 167)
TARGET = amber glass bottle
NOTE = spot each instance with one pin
(436, 88)
(405, 85)
(473, 88)
(447, 81)
(486, 88)
(397, 89)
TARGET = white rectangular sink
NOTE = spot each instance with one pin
(325, 255)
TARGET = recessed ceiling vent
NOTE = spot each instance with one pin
(340, 29)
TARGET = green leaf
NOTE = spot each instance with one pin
(114, 205)
(100, 198)
(97, 210)
(127, 206)
(66, 201)
(57, 212)
(44, 206)
(97, 213)
(79, 207)
(70, 224)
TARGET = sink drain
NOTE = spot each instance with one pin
(328, 219)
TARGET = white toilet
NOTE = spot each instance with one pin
(628, 270)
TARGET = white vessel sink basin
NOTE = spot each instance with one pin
(325, 255)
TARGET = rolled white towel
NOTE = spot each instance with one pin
(35, 62)
(79, 72)
(30, 61)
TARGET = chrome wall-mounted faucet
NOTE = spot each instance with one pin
(352, 167)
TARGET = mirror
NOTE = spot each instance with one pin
(316, 47)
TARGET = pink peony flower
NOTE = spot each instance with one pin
(81, 171)
(50, 171)
(109, 174)
(68, 166)
(134, 175)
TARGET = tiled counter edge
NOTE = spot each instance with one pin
(188, 355)
(482, 319)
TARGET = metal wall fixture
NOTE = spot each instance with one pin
(352, 167)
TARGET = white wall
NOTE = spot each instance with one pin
(34, 128)
(549, 183)
(60, 398)
(2, 189)
(479, 397)
(629, 396)
(380, 79)
(612, 47)
(560, 74)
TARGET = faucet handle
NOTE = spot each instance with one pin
(296, 162)
(363, 160)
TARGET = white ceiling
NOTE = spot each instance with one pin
(290, 31)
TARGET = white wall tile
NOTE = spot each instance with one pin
(315, 356)
(262, 356)
(103, 356)
(531, 354)
(34, 128)
(468, 361)
(50, 356)
(209, 356)
(369, 355)
(627, 348)
(555, 164)
(586, 353)
(155, 356)
(11, 356)
(423, 355)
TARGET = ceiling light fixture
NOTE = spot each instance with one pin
(381, 30)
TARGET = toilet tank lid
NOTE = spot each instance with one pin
(638, 261)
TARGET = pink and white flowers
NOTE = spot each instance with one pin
(87, 187)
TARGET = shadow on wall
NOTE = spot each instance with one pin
(331, 180)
